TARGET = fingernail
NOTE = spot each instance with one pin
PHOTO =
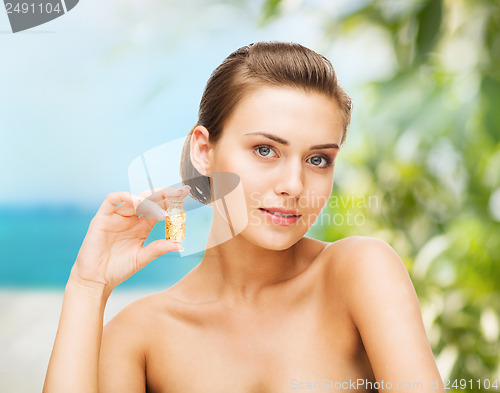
(179, 246)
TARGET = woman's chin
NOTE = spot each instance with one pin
(274, 242)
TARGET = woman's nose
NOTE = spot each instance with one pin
(290, 180)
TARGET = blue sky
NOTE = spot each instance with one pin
(83, 95)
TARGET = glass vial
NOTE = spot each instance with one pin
(175, 220)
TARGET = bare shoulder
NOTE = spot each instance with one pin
(136, 316)
(372, 277)
(371, 260)
(127, 313)
(129, 325)
(360, 267)
(354, 255)
(383, 305)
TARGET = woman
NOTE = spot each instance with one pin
(268, 310)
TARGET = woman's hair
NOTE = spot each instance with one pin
(280, 64)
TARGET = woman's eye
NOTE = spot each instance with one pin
(316, 161)
(264, 151)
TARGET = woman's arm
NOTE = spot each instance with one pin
(111, 252)
(386, 311)
(73, 365)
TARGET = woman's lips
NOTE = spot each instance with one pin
(279, 220)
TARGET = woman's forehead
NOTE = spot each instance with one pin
(288, 113)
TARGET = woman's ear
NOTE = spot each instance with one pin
(200, 150)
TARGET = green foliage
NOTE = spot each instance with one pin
(270, 11)
(429, 23)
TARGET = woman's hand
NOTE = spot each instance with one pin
(112, 250)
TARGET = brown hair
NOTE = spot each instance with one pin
(259, 64)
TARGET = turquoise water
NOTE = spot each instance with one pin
(38, 246)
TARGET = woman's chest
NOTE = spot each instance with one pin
(280, 352)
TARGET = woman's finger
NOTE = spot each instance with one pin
(160, 194)
(150, 210)
(125, 210)
(150, 206)
(147, 208)
(112, 200)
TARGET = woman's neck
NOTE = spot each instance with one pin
(241, 271)
(238, 271)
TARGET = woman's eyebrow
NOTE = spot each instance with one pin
(286, 143)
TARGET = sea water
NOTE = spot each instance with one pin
(38, 246)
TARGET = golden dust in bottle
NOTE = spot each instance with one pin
(175, 220)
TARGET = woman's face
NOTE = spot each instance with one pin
(282, 143)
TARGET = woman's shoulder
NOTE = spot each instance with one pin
(142, 314)
(354, 248)
(132, 315)
(125, 337)
(366, 275)
(355, 257)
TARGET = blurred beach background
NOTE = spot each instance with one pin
(84, 95)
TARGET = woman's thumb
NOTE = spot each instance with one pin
(157, 248)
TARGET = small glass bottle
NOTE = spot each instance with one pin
(175, 220)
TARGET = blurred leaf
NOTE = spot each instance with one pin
(429, 23)
(490, 92)
(270, 10)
